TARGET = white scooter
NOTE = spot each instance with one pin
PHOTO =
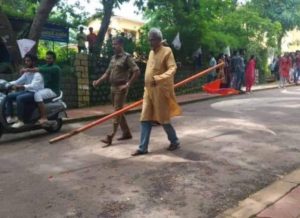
(56, 110)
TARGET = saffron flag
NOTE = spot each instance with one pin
(214, 88)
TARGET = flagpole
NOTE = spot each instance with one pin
(127, 108)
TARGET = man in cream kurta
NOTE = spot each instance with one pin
(159, 97)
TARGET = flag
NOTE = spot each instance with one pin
(25, 45)
(176, 42)
(227, 50)
(214, 87)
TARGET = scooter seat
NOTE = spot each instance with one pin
(56, 98)
(48, 100)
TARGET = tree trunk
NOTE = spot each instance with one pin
(8, 37)
(108, 8)
(39, 20)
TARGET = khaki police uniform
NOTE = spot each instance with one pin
(119, 70)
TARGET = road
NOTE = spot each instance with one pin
(230, 148)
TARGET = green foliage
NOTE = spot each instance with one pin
(173, 17)
(72, 14)
(261, 55)
(248, 27)
(286, 12)
(142, 47)
(211, 24)
(64, 13)
(19, 8)
(63, 53)
(129, 45)
(6, 68)
(107, 50)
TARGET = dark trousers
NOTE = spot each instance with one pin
(296, 74)
(22, 98)
(238, 80)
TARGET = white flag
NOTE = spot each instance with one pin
(176, 42)
(227, 51)
(25, 45)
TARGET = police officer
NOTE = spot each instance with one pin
(121, 73)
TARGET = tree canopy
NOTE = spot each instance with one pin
(285, 12)
(209, 24)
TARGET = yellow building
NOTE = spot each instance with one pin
(120, 24)
(291, 42)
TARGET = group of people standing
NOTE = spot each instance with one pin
(286, 68)
(91, 38)
(235, 72)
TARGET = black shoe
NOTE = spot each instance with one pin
(138, 152)
(126, 137)
(107, 141)
(173, 147)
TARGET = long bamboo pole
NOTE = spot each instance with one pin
(127, 108)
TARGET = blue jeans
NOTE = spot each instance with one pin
(239, 79)
(296, 74)
(146, 127)
(22, 98)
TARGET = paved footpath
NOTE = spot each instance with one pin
(279, 200)
(81, 114)
(288, 206)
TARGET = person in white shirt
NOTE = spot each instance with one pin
(25, 87)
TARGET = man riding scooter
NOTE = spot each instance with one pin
(51, 74)
(25, 87)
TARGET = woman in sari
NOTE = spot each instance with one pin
(284, 69)
(250, 74)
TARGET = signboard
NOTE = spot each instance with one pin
(51, 32)
(57, 33)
